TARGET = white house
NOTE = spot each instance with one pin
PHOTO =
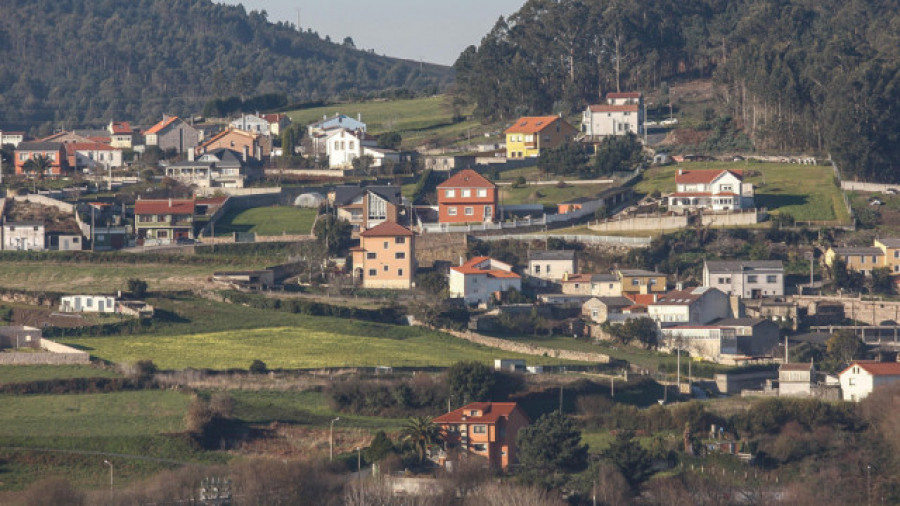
(747, 279)
(252, 123)
(479, 278)
(342, 146)
(24, 236)
(861, 378)
(336, 122)
(597, 285)
(697, 306)
(712, 342)
(14, 138)
(796, 380)
(87, 304)
(718, 190)
(551, 265)
(94, 155)
(623, 113)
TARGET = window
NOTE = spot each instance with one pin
(467, 193)
(862, 259)
(852, 381)
(897, 253)
(635, 282)
(771, 278)
(752, 278)
(537, 269)
(399, 240)
(479, 447)
(595, 313)
(479, 429)
(651, 281)
(400, 256)
(874, 259)
(385, 245)
(373, 272)
(482, 193)
(451, 211)
(90, 302)
(548, 268)
(371, 256)
(450, 194)
(386, 268)
(400, 272)
(470, 211)
(350, 145)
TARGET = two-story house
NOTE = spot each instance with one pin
(252, 123)
(467, 197)
(597, 285)
(277, 122)
(385, 257)
(530, 134)
(334, 122)
(747, 279)
(796, 380)
(861, 378)
(343, 146)
(13, 138)
(611, 309)
(641, 282)
(863, 259)
(121, 134)
(552, 265)
(365, 207)
(485, 429)
(163, 221)
(172, 133)
(717, 190)
(623, 113)
(256, 145)
(890, 246)
(695, 306)
(478, 279)
(53, 152)
(93, 155)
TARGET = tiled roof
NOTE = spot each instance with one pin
(890, 242)
(531, 124)
(876, 368)
(387, 229)
(467, 178)
(614, 108)
(39, 146)
(470, 267)
(743, 265)
(492, 412)
(165, 206)
(121, 127)
(678, 297)
(89, 146)
(859, 251)
(155, 129)
(643, 299)
(803, 367)
(703, 176)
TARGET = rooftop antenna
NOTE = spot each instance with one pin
(298, 20)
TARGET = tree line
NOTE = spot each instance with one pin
(793, 75)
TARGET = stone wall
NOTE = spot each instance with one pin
(641, 223)
(47, 201)
(55, 354)
(528, 349)
(866, 311)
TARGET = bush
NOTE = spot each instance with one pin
(258, 367)
(137, 288)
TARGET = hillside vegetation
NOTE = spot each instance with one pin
(137, 60)
(794, 75)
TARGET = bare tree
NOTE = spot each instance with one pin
(506, 494)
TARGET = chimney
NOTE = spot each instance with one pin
(190, 155)
(679, 286)
(680, 172)
(461, 260)
(259, 152)
(246, 153)
(170, 201)
(359, 117)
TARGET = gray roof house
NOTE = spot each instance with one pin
(749, 279)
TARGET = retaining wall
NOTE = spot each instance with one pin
(867, 187)
(527, 349)
(731, 219)
(47, 201)
(56, 354)
(641, 223)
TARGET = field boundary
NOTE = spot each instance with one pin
(527, 349)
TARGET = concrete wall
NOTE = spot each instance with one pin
(56, 354)
(732, 219)
(867, 187)
(871, 312)
(734, 383)
(641, 223)
(47, 201)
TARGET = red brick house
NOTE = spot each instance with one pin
(467, 197)
(486, 429)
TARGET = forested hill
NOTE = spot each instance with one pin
(795, 75)
(76, 62)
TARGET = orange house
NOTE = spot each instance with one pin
(256, 145)
(486, 429)
(53, 151)
(385, 257)
(467, 197)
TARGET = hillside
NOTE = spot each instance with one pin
(792, 75)
(77, 62)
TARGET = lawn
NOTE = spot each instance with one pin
(547, 194)
(87, 429)
(312, 342)
(806, 192)
(302, 408)
(417, 120)
(275, 220)
(29, 373)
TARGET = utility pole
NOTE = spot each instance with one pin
(112, 490)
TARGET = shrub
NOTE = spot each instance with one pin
(258, 367)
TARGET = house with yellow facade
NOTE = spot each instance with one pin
(863, 259)
(891, 249)
(530, 134)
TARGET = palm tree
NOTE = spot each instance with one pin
(37, 165)
(421, 431)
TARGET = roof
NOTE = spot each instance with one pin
(387, 229)
(552, 255)
(740, 322)
(694, 327)
(39, 146)
(743, 265)
(679, 297)
(492, 412)
(613, 301)
(703, 176)
(587, 278)
(643, 299)
(614, 108)
(344, 195)
(639, 272)
(470, 268)
(626, 94)
(89, 146)
(273, 118)
(24, 224)
(859, 251)
(121, 127)
(890, 242)
(876, 368)
(531, 124)
(803, 367)
(155, 129)
(467, 178)
(166, 206)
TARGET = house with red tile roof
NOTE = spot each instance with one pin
(620, 114)
(121, 134)
(93, 155)
(172, 133)
(255, 145)
(163, 221)
(718, 190)
(530, 134)
(478, 279)
(385, 257)
(484, 429)
(861, 378)
(467, 197)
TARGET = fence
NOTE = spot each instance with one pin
(636, 242)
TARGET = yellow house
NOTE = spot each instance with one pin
(857, 259)
(891, 249)
(530, 134)
(641, 282)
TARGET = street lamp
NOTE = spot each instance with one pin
(111, 483)
(331, 440)
(359, 462)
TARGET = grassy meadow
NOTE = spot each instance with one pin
(275, 220)
(547, 195)
(29, 373)
(807, 192)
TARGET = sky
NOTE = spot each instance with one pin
(427, 30)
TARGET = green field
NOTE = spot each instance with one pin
(302, 408)
(29, 373)
(418, 120)
(806, 192)
(547, 194)
(275, 220)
